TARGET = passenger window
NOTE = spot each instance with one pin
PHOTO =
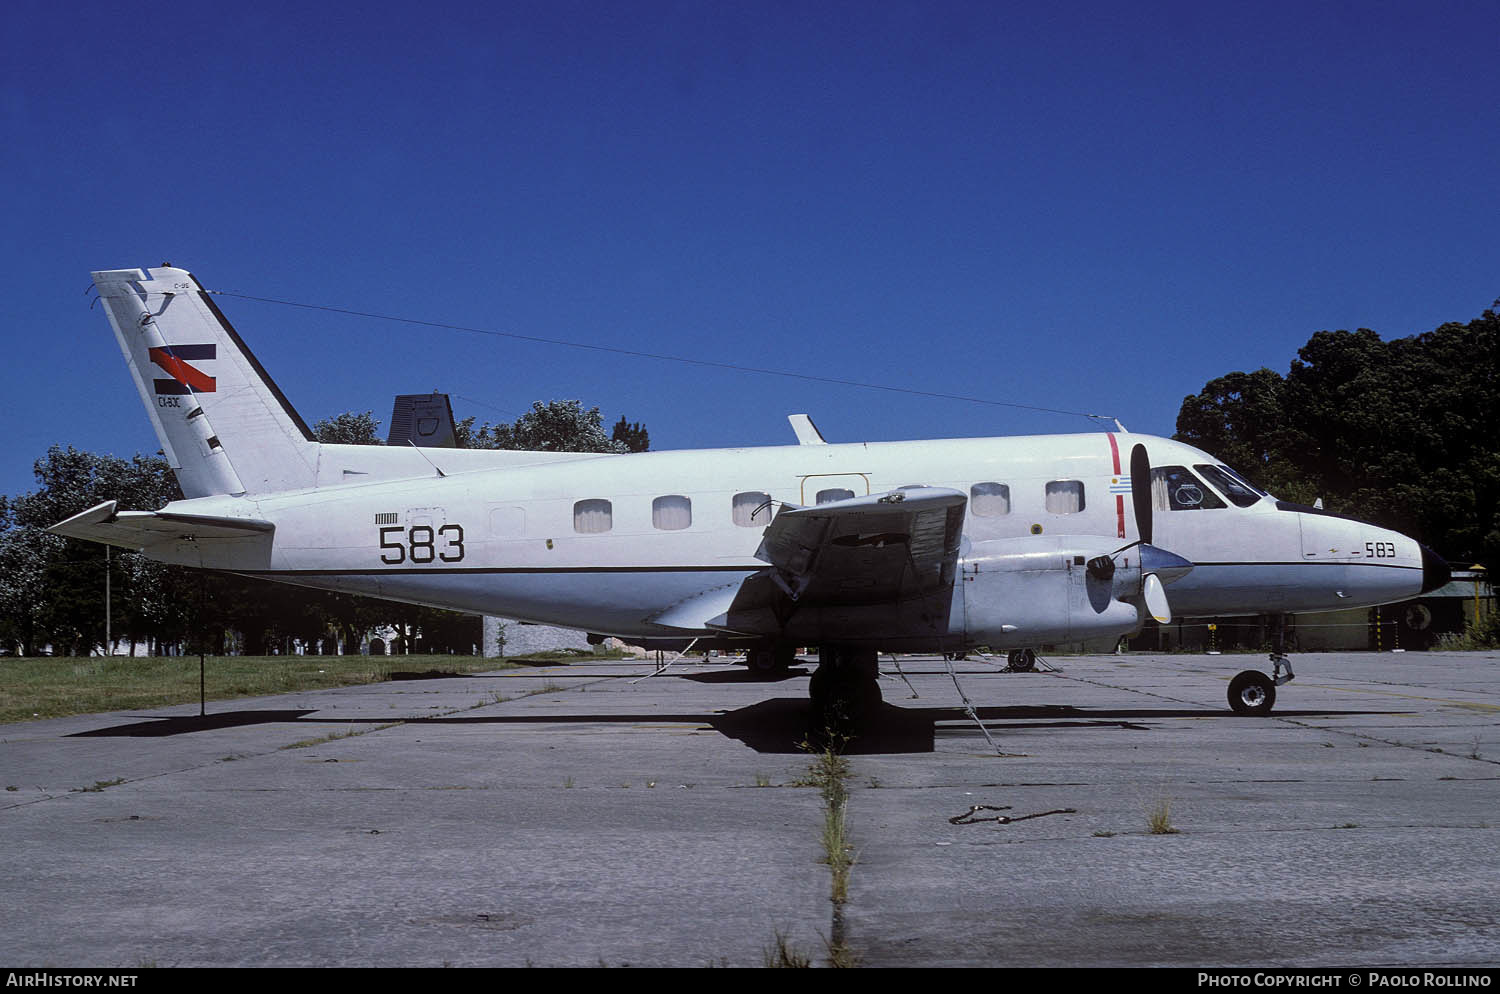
(671, 513)
(591, 517)
(837, 493)
(989, 500)
(1173, 488)
(752, 508)
(1064, 497)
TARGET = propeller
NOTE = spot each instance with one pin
(1140, 491)
(1140, 496)
(1155, 562)
(1158, 567)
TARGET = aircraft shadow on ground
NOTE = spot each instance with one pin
(154, 727)
(779, 725)
(741, 675)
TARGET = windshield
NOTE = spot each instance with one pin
(1243, 479)
(1173, 488)
(1231, 484)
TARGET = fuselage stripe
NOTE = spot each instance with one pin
(1114, 451)
(466, 570)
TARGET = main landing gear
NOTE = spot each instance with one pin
(844, 689)
(1251, 691)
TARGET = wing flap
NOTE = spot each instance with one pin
(866, 550)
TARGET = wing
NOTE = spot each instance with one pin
(866, 549)
(143, 529)
(871, 567)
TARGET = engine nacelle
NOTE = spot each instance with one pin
(1024, 592)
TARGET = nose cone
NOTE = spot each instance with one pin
(1167, 565)
(1435, 571)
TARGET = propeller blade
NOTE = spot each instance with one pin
(1140, 491)
(1155, 596)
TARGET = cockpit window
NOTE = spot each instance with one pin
(1243, 480)
(1230, 484)
(1173, 488)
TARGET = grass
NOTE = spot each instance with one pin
(829, 772)
(35, 687)
(1484, 635)
(783, 955)
(335, 736)
(1159, 818)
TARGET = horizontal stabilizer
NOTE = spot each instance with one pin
(142, 529)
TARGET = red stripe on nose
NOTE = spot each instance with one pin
(1114, 452)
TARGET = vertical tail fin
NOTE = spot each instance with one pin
(224, 426)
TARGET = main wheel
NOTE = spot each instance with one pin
(1252, 692)
(1022, 660)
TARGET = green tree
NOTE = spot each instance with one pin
(556, 426)
(1404, 433)
(1241, 418)
(350, 428)
(51, 588)
(632, 435)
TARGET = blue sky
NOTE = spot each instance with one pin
(1094, 207)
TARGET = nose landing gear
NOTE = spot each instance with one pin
(1251, 691)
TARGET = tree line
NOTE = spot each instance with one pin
(1402, 433)
(52, 589)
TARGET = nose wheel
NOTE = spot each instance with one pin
(1252, 692)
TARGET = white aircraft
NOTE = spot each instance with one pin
(931, 546)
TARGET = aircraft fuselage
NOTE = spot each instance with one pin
(612, 543)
